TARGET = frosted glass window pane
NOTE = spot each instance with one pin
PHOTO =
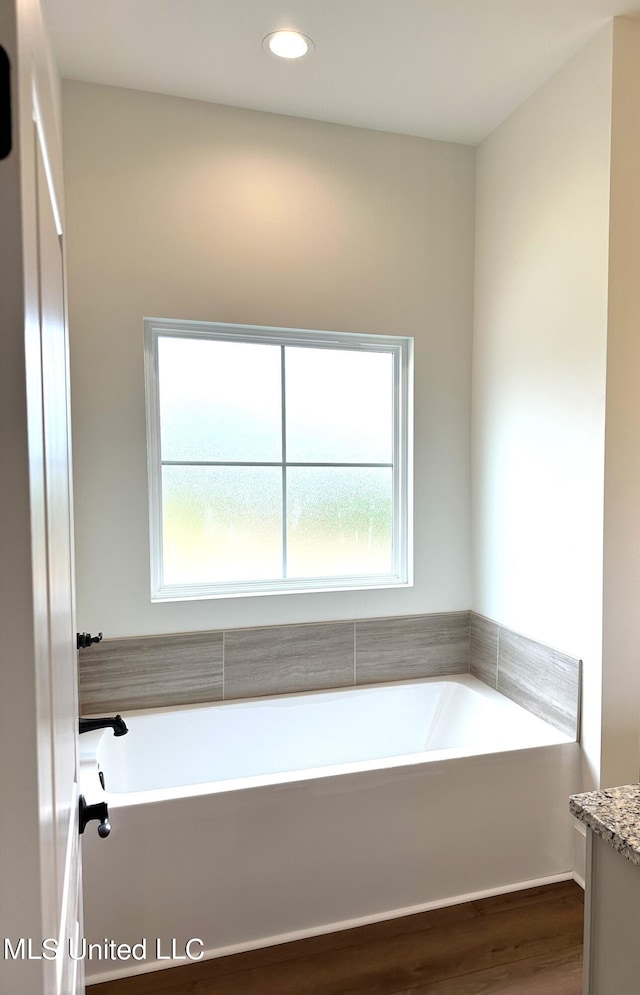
(339, 521)
(221, 523)
(219, 400)
(339, 406)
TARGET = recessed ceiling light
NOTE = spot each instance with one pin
(288, 44)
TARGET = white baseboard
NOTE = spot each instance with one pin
(579, 853)
(121, 970)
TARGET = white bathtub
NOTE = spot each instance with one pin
(248, 823)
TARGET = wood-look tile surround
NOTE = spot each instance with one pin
(278, 659)
(541, 679)
(151, 671)
(402, 649)
(195, 667)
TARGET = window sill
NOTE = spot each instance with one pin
(208, 592)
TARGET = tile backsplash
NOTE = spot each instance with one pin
(194, 667)
(399, 649)
(279, 659)
(541, 679)
(151, 671)
(187, 668)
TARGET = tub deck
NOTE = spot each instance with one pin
(252, 860)
(256, 742)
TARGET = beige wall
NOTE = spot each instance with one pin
(183, 209)
(539, 368)
(621, 629)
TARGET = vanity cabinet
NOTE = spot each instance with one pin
(612, 898)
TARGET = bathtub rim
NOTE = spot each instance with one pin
(122, 799)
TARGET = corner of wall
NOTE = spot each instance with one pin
(539, 367)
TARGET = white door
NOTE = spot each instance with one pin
(40, 918)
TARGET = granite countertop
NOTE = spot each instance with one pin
(614, 814)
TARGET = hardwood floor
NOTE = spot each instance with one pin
(524, 943)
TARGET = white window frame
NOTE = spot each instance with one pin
(401, 349)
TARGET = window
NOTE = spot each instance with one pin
(278, 459)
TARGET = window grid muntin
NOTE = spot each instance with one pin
(283, 453)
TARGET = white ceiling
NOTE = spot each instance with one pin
(446, 69)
